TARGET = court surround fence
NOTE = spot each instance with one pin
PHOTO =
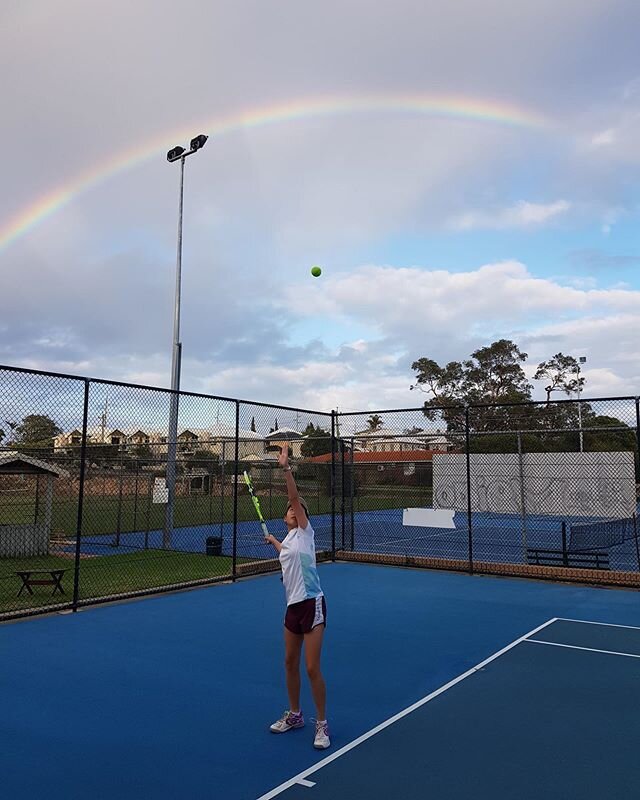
(543, 490)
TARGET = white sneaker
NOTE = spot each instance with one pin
(321, 740)
(287, 722)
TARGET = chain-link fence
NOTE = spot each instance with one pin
(101, 498)
(544, 490)
(104, 493)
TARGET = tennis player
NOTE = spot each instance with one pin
(306, 614)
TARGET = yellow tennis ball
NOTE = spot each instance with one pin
(316, 272)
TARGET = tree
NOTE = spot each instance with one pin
(563, 372)
(374, 422)
(618, 437)
(36, 431)
(12, 427)
(317, 441)
(253, 424)
(492, 376)
(200, 459)
(104, 455)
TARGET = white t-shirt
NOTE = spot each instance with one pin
(298, 561)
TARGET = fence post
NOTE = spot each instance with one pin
(235, 493)
(467, 434)
(635, 537)
(222, 480)
(523, 505)
(212, 469)
(637, 439)
(342, 494)
(333, 485)
(565, 556)
(148, 512)
(119, 515)
(83, 460)
(352, 495)
(135, 499)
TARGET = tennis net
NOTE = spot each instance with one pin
(601, 535)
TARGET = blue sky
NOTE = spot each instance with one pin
(436, 234)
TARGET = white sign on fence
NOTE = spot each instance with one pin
(428, 517)
(566, 484)
(160, 491)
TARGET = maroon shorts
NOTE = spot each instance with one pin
(303, 617)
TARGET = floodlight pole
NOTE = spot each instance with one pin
(176, 356)
(176, 353)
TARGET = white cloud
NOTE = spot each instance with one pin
(521, 215)
(413, 312)
(89, 289)
(604, 138)
(609, 219)
(447, 315)
(611, 130)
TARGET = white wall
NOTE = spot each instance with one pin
(566, 484)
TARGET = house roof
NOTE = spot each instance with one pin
(221, 431)
(385, 456)
(389, 433)
(14, 463)
(284, 434)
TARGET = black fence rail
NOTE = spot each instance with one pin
(100, 498)
(488, 488)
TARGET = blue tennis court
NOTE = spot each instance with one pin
(496, 537)
(554, 714)
(172, 696)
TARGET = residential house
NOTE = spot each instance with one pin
(387, 440)
(71, 439)
(275, 440)
(402, 468)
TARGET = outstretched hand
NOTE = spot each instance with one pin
(283, 458)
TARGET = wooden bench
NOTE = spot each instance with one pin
(592, 559)
(54, 579)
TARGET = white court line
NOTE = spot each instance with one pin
(577, 647)
(302, 775)
(606, 624)
(411, 539)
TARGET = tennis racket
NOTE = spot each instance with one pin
(256, 503)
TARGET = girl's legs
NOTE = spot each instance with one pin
(312, 651)
(292, 648)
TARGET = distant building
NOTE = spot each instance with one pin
(407, 467)
(275, 440)
(387, 440)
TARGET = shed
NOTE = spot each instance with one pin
(19, 539)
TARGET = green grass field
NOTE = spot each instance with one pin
(107, 575)
(103, 576)
(107, 514)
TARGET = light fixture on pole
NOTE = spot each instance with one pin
(581, 360)
(176, 154)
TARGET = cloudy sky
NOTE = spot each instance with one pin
(462, 172)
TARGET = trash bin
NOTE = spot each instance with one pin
(214, 545)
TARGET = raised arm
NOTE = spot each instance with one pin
(292, 489)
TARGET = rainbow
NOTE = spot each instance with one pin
(485, 111)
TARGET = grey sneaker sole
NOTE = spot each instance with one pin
(290, 728)
(322, 746)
